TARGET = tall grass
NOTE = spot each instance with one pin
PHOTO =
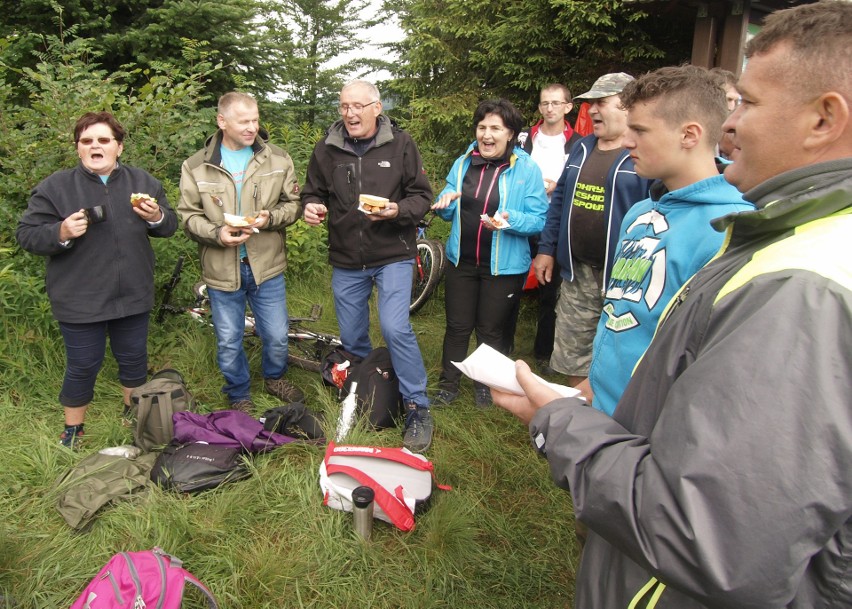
(502, 538)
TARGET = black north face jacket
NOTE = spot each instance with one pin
(391, 168)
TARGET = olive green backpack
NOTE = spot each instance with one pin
(152, 406)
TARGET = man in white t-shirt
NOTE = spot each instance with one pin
(548, 143)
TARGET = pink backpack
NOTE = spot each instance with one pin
(135, 580)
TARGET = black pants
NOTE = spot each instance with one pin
(474, 299)
(547, 295)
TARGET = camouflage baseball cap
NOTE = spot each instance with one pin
(606, 85)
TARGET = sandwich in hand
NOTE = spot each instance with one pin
(138, 197)
(372, 203)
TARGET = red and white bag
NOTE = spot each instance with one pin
(401, 480)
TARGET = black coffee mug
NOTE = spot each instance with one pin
(96, 214)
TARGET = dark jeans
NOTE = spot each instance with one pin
(475, 300)
(85, 349)
(547, 295)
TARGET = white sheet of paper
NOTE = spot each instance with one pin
(492, 368)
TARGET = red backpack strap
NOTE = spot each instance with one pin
(393, 506)
(391, 454)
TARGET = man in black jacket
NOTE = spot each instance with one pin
(365, 153)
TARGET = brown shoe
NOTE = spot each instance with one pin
(284, 391)
(243, 406)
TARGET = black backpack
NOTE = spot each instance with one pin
(197, 466)
(378, 386)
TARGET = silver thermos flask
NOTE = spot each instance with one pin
(362, 509)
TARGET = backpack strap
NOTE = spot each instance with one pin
(389, 454)
(392, 504)
(208, 596)
(175, 562)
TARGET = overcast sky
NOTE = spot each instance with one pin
(386, 31)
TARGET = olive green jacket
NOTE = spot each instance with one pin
(208, 192)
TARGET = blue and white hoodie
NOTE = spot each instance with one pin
(663, 241)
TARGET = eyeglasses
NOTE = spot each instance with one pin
(556, 104)
(88, 141)
(355, 108)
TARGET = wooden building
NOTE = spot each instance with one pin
(722, 27)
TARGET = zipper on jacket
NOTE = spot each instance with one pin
(570, 203)
(678, 300)
(360, 230)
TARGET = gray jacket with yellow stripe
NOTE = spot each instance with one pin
(724, 477)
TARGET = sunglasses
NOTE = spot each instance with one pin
(88, 141)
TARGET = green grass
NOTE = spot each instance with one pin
(502, 538)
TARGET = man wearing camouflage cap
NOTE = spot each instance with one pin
(597, 187)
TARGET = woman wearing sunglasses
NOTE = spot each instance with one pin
(100, 264)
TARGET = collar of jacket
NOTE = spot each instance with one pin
(516, 152)
(337, 133)
(93, 176)
(568, 131)
(214, 155)
(793, 198)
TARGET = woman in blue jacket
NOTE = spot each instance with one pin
(489, 261)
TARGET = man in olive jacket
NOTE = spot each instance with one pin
(239, 173)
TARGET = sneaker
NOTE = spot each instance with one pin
(418, 428)
(72, 437)
(127, 416)
(543, 366)
(444, 397)
(284, 391)
(482, 396)
(245, 405)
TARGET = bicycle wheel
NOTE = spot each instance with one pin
(439, 246)
(427, 273)
(307, 349)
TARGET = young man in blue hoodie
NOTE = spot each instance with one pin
(674, 119)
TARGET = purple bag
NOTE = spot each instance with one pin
(137, 579)
(231, 428)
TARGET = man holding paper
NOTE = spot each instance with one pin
(723, 477)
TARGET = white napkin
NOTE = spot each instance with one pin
(492, 368)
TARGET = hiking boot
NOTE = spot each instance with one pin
(482, 396)
(543, 366)
(444, 397)
(418, 428)
(72, 437)
(284, 390)
(245, 405)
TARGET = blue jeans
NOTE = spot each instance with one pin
(268, 302)
(85, 349)
(352, 289)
